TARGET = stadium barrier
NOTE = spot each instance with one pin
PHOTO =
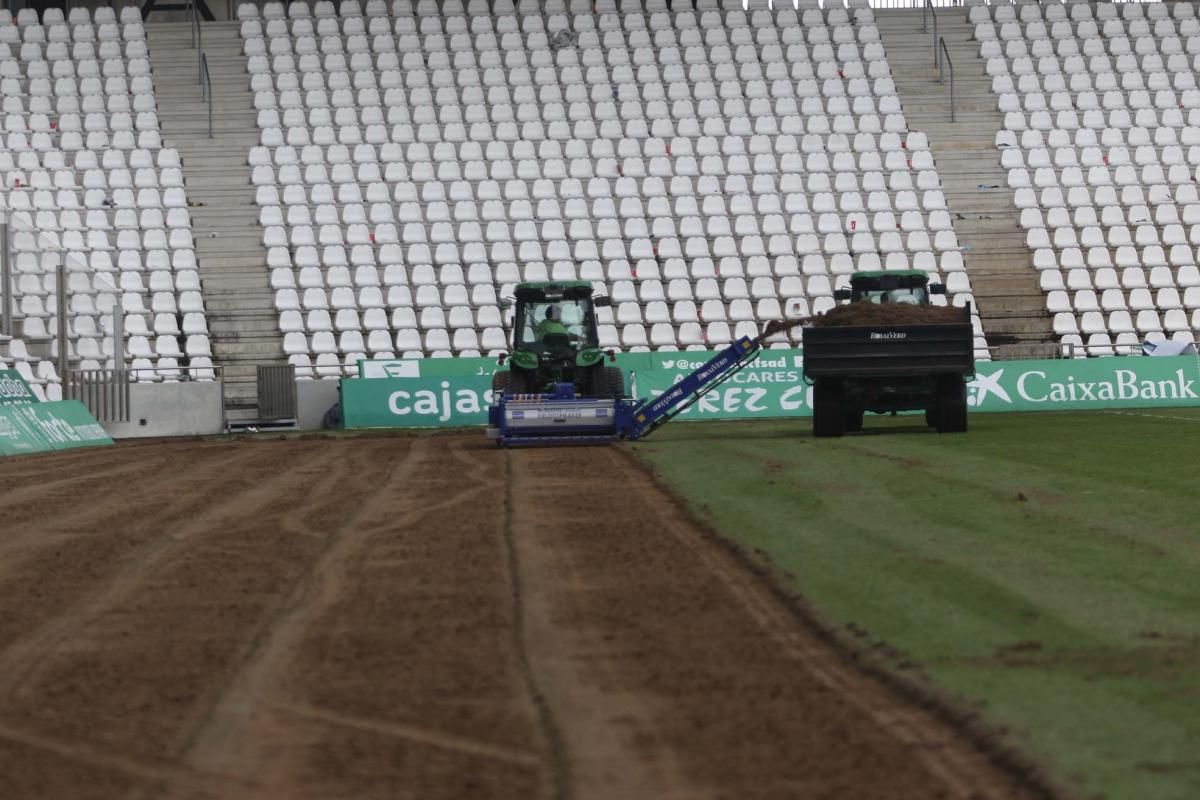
(456, 392)
(28, 425)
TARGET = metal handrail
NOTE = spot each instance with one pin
(206, 89)
(11, 222)
(198, 43)
(7, 295)
(105, 392)
(929, 8)
(944, 55)
(933, 11)
(195, 20)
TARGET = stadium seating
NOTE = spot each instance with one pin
(709, 169)
(86, 179)
(1101, 141)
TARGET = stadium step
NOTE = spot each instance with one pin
(243, 324)
(1011, 304)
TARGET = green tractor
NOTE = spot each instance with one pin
(555, 341)
(910, 287)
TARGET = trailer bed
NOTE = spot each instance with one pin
(892, 351)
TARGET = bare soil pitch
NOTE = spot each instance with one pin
(421, 617)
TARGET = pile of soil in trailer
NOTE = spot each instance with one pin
(862, 314)
(854, 314)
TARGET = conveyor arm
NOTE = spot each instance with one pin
(637, 421)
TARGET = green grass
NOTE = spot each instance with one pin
(1043, 566)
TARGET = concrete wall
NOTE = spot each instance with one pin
(313, 399)
(171, 409)
(195, 409)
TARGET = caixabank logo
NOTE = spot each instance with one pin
(987, 385)
(1089, 385)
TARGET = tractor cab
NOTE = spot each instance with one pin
(552, 320)
(555, 339)
(910, 287)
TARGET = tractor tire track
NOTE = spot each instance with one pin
(224, 740)
(270, 714)
(86, 546)
(29, 653)
(558, 773)
(74, 653)
(694, 677)
(420, 617)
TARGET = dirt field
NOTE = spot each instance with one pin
(415, 618)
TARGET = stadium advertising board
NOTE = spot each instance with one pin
(42, 427)
(14, 390)
(1094, 383)
(432, 395)
(426, 367)
(418, 402)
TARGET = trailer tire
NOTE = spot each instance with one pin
(952, 404)
(829, 417)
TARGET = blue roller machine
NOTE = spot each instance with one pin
(561, 416)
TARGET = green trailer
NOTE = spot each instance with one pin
(884, 368)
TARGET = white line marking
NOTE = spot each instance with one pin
(1151, 416)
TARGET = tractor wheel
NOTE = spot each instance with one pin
(515, 381)
(952, 404)
(829, 417)
(931, 416)
(587, 382)
(854, 419)
(612, 383)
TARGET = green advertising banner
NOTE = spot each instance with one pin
(465, 367)
(426, 367)
(14, 390)
(433, 392)
(42, 427)
(17, 435)
(418, 402)
(773, 387)
(1091, 383)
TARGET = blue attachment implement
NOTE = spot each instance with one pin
(561, 418)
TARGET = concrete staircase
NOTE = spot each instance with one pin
(1011, 304)
(242, 321)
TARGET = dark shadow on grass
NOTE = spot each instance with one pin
(868, 430)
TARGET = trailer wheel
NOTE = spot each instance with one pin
(952, 404)
(829, 418)
(854, 419)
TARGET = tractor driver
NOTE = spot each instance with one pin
(552, 325)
